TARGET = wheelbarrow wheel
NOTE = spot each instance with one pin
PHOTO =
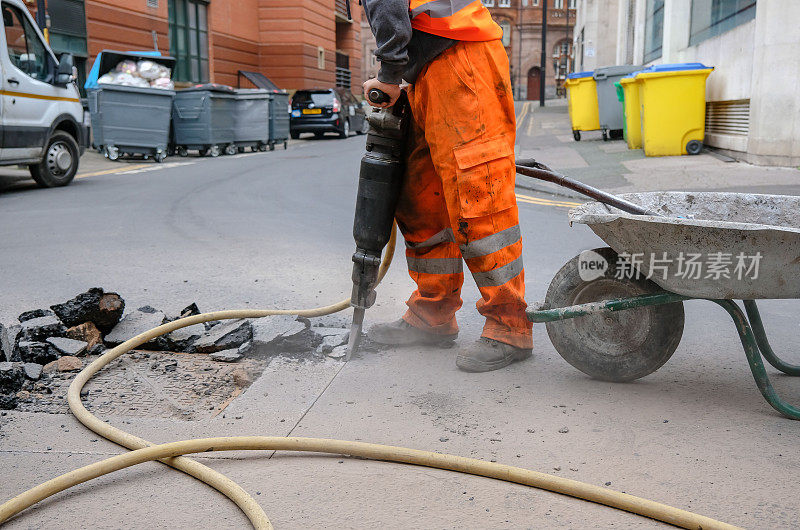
(621, 346)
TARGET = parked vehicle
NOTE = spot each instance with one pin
(327, 110)
(42, 119)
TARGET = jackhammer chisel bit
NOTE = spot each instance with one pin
(382, 170)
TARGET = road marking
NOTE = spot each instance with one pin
(546, 202)
(111, 171)
(523, 114)
(531, 121)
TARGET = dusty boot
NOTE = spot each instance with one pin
(401, 333)
(488, 354)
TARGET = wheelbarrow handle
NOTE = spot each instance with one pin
(532, 168)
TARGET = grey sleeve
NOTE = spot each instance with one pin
(391, 25)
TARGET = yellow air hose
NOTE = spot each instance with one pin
(171, 453)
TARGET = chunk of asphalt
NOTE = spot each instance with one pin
(227, 356)
(12, 376)
(32, 371)
(338, 352)
(135, 323)
(41, 328)
(225, 336)
(36, 313)
(331, 338)
(95, 305)
(87, 332)
(8, 341)
(37, 352)
(66, 346)
(182, 340)
(279, 334)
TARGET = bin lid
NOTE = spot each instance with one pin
(674, 67)
(615, 71)
(579, 75)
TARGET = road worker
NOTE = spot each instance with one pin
(458, 202)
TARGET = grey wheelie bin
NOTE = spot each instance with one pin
(278, 119)
(252, 119)
(204, 119)
(128, 120)
(612, 115)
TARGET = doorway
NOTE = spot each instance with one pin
(534, 76)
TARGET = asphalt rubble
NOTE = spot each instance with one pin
(53, 342)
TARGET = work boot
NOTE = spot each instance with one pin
(489, 354)
(401, 333)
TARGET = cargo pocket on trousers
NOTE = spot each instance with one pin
(486, 176)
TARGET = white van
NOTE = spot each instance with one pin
(41, 116)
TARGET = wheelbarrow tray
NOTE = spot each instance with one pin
(729, 229)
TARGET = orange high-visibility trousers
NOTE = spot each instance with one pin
(458, 202)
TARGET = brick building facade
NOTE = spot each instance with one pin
(299, 44)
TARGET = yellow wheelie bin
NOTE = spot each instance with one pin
(673, 101)
(582, 98)
(633, 111)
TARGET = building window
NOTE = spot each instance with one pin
(320, 57)
(535, 3)
(573, 4)
(503, 3)
(558, 4)
(714, 17)
(188, 39)
(653, 30)
(505, 25)
(488, 3)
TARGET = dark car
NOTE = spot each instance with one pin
(327, 110)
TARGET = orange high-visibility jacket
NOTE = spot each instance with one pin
(467, 20)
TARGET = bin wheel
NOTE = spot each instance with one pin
(694, 147)
(262, 147)
(111, 152)
(576, 135)
(620, 346)
(183, 152)
(230, 150)
(272, 146)
(605, 135)
(285, 145)
(214, 151)
(160, 157)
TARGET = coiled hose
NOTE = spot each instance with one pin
(171, 453)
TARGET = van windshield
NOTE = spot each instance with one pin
(319, 99)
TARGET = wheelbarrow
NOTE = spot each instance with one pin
(616, 313)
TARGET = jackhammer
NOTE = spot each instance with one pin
(380, 180)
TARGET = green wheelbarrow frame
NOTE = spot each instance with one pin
(750, 327)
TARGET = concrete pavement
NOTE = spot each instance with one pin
(273, 230)
(546, 135)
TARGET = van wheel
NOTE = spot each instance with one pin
(60, 162)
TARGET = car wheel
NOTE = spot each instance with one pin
(364, 126)
(60, 162)
(345, 132)
(295, 135)
(318, 135)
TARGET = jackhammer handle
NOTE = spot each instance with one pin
(378, 96)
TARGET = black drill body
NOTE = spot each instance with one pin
(382, 171)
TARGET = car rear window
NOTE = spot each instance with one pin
(319, 99)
